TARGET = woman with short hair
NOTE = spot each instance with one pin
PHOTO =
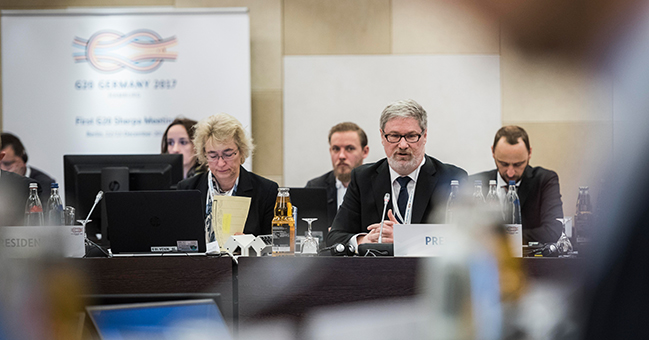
(223, 146)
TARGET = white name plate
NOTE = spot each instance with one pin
(431, 240)
(26, 242)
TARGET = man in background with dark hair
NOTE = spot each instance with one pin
(15, 160)
(538, 188)
(348, 148)
(14, 191)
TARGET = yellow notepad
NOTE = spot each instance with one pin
(229, 215)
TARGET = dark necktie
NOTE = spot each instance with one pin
(402, 200)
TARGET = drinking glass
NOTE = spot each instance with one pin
(310, 244)
(69, 215)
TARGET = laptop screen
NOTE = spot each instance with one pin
(190, 319)
(156, 222)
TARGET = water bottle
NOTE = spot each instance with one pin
(478, 197)
(583, 217)
(493, 201)
(512, 205)
(33, 208)
(492, 196)
(55, 213)
(451, 204)
(583, 201)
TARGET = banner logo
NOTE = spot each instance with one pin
(141, 51)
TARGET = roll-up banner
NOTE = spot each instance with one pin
(109, 81)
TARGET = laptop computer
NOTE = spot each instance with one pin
(311, 203)
(161, 222)
(195, 319)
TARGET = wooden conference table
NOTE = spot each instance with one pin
(266, 287)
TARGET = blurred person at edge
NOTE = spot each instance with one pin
(14, 191)
(611, 40)
(15, 160)
(538, 188)
(348, 148)
(223, 147)
(407, 173)
(177, 139)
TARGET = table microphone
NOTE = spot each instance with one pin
(98, 198)
(380, 248)
(386, 199)
(338, 249)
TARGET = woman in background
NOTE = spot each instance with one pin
(178, 139)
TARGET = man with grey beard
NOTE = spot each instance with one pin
(417, 183)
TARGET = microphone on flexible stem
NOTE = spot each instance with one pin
(386, 199)
(380, 248)
(98, 198)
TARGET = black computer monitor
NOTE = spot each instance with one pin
(83, 180)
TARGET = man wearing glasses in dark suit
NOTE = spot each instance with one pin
(418, 184)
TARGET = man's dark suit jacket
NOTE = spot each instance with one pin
(14, 191)
(262, 191)
(363, 202)
(44, 182)
(540, 202)
(327, 181)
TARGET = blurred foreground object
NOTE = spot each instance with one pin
(40, 290)
(475, 290)
(577, 29)
(612, 36)
(466, 291)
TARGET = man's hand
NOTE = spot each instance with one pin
(374, 229)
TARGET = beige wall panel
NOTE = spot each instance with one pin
(540, 89)
(441, 27)
(265, 38)
(337, 27)
(277, 179)
(267, 123)
(575, 150)
(48, 4)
